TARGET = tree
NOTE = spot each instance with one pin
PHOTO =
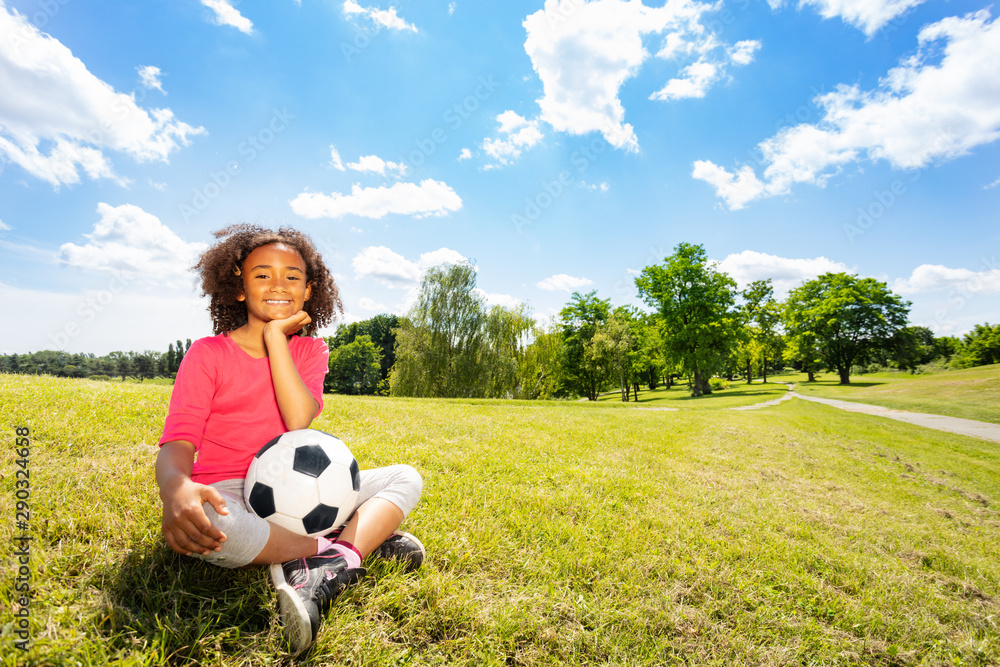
(651, 364)
(980, 346)
(846, 317)
(540, 368)
(382, 331)
(123, 362)
(580, 319)
(355, 367)
(609, 349)
(439, 343)
(911, 347)
(506, 339)
(695, 302)
(761, 316)
(171, 358)
(145, 364)
(179, 352)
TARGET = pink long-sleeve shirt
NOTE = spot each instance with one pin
(223, 402)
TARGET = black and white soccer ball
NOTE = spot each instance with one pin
(306, 481)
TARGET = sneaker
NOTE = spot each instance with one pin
(306, 589)
(403, 547)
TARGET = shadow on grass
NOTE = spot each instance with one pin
(835, 383)
(732, 391)
(682, 393)
(181, 610)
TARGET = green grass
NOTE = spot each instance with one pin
(972, 393)
(557, 534)
(679, 397)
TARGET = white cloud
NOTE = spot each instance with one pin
(149, 77)
(697, 78)
(465, 154)
(505, 300)
(743, 52)
(695, 81)
(391, 269)
(384, 18)
(370, 305)
(4, 227)
(519, 134)
(335, 160)
(785, 274)
(385, 267)
(74, 116)
(936, 105)
(584, 52)
(992, 185)
(867, 15)
(563, 282)
(451, 7)
(226, 14)
(934, 277)
(430, 197)
(441, 256)
(377, 165)
(130, 240)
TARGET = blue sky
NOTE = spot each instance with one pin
(560, 146)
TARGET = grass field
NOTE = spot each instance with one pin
(973, 393)
(557, 533)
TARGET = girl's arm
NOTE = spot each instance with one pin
(186, 528)
(296, 404)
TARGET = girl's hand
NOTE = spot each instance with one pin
(289, 325)
(185, 524)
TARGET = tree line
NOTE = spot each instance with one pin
(700, 329)
(118, 364)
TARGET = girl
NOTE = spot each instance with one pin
(235, 391)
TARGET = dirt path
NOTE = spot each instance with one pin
(977, 429)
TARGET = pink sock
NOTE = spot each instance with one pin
(351, 555)
(322, 544)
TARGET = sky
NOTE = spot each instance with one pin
(559, 146)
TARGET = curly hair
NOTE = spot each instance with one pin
(219, 267)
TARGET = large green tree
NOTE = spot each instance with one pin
(696, 304)
(580, 320)
(847, 318)
(380, 329)
(355, 368)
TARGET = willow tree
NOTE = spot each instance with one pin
(440, 343)
(451, 346)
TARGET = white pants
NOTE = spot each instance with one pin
(247, 534)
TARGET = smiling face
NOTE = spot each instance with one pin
(274, 283)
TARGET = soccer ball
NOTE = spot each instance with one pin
(306, 481)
